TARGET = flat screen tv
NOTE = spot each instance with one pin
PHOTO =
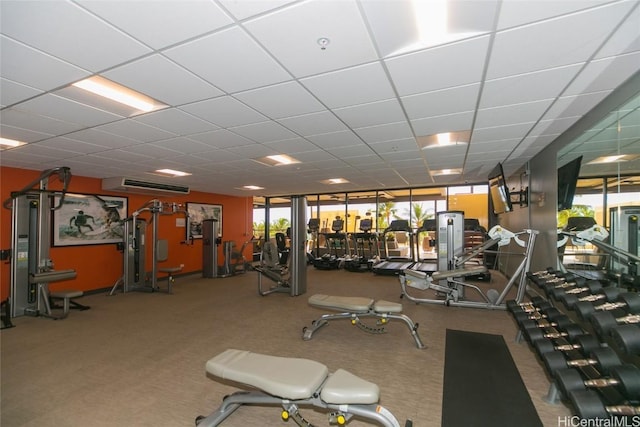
(499, 191)
(567, 181)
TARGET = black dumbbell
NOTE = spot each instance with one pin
(607, 294)
(603, 359)
(585, 343)
(589, 406)
(605, 321)
(570, 331)
(536, 302)
(547, 313)
(590, 286)
(624, 378)
(566, 281)
(629, 301)
(627, 338)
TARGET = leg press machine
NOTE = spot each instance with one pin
(294, 383)
(354, 308)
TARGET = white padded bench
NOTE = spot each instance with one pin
(354, 308)
(293, 382)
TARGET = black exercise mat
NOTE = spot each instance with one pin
(482, 386)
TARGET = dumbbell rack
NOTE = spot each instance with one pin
(548, 317)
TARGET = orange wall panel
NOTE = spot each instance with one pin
(99, 266)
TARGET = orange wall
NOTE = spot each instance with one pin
(99, 266)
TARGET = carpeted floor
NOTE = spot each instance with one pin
(138, 359)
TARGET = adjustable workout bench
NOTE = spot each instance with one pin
(356, 307)
(293, 382)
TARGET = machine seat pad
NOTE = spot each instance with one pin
(458, 272)
(66, 294)
(343, 388)
(284, 377)
(356, 304)
(383, 306)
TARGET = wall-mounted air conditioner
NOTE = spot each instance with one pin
(141, 186)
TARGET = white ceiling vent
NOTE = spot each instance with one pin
(140, 186)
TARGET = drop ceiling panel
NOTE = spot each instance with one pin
(24, 65)
(573, 106)
(399, 145)
(224, 111)
(519, 12)
(626, 38)
(176, 121)
(154, 150)
(162, 79)
(62, 109)
(292, 34)
(352, 86)
(335, 139)
(244, 9)
(68, 32)
(161, 23)
(353, 151)
(220, 156)
(71, 145)
(264, 132)
(221, 139)
(424, 71)
(38, 123)
(102, 138)
(382, 133)
(281, 100)
(233, 66)
(313, 124)
(605, 74)
(441, 102)
(510, 114)
(388, 111)
(184, 145)
(440, 124)
(13, 92)
(553, 43)
(292, 146)
(136, 130)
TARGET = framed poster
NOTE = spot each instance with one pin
(88, 219)
(199, 212)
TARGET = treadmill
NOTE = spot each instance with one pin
(429, 263)
(394, 265)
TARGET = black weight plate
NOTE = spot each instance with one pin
(627, 338)
(554, 361)
(558, 293)
(529, 324)
(594, 286)
(632, 299)
(563, 322)
(512, 305)
(606, 358)
(588, 405)
(569, 300)
(543, 346)
(533, 334)
(584, 309)
(569, 380)
(553, 314)
(629, 377)
(573, 331)
(611, 293)
(587, 343)
(603, 322)
(544, 306)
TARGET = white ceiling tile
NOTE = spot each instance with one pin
(68, 32)
(363, 115)
(605, 74)
(176, 121)
(221, 139)
(441, 102)
(383, 133)
(519, 12)
(554, 127)
(399, 145)
(163, 80)
(244, 9)
(233, 66)
(440, 124)
(511, 114)
(571, 106)
(264, 132)
(160, 23)
(553, 43)
(219, 156)
(71, 145)
(292, 146)
(292, 35)
(36, 122)
(12, 92)
(626, 38)
(62, 109)
(500, 133)
(136, 130)
(281, 100)
(102, 138)
(356, 85)
(353, 151)
(183, 145)
(313, 124)
(152, 150)
(424, 71)
(224, 111)
(122, 155)
(335, 139)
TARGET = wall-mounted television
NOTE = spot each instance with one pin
(499, 191)
(567, 181)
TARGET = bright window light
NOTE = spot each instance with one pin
(11, 142)
(172, 172)
(108, 89)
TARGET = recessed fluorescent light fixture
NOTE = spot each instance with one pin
(277, 160)
(115, 92)
(445, 139)
(251, 187)
(446, 172)
(6, 142)
(335, 181)
(431, 19)
(612, 159)
(172, 172)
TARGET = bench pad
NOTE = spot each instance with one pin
(383, 306)
(284, 377)
(357, 304)
(343, 387)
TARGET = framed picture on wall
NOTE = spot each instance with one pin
(88, 219)
(198, 212)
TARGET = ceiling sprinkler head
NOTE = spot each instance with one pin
(323, 42)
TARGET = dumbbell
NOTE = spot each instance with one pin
(590, 286)
(627, 338)
(536, 303)
(629, 301)
(608, 294)
(624, 378)
(568, 330)
(605, 321)
(588, 405)
(547, 313)
(586, 343)
(603, 359)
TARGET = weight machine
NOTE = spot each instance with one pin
(448, 282)
(134, 277)
(31, 267)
